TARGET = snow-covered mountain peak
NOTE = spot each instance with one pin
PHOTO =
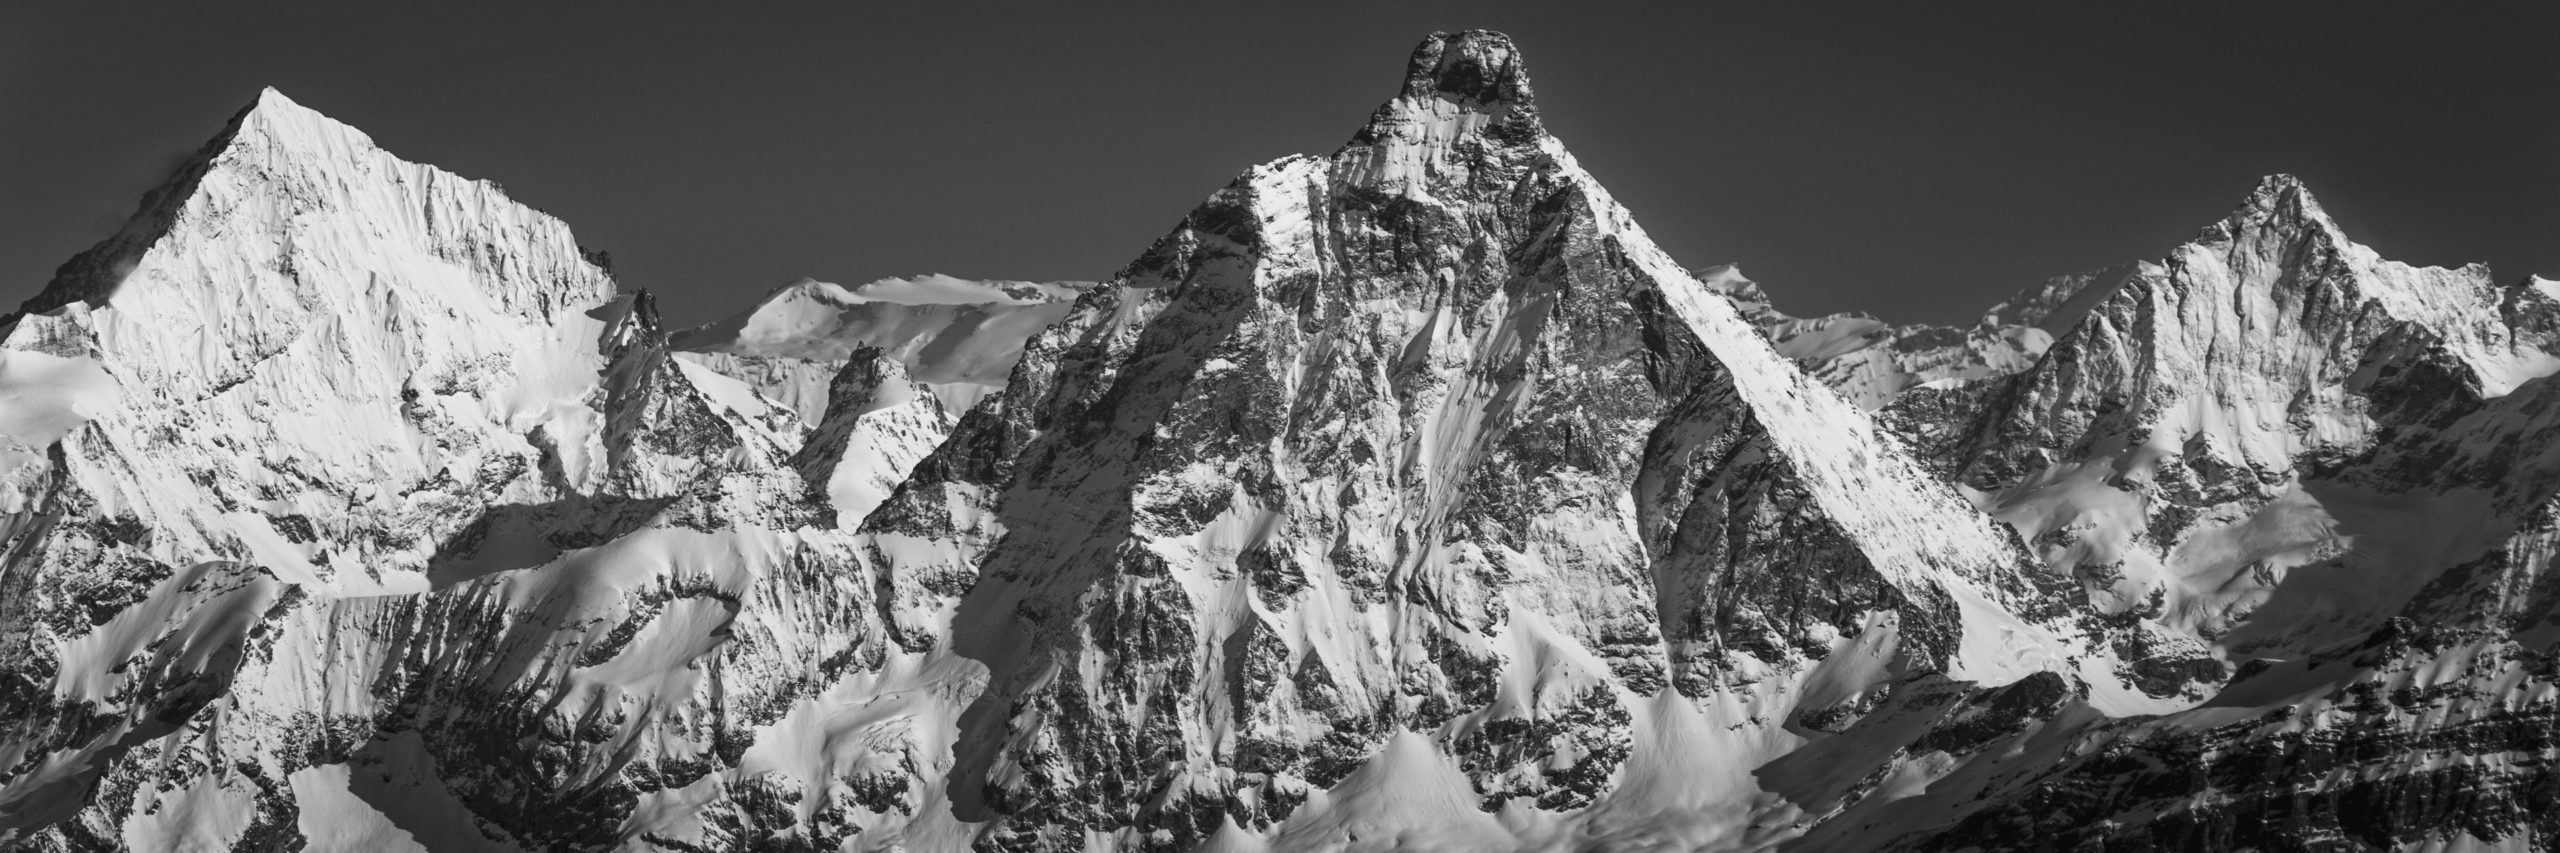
(2280, 245)
(93, 276)
(269, 98)
(282, 120)
(285, 317)
(301, 192)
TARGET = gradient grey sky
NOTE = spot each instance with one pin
(1917, 161)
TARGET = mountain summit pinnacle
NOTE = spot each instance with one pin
(1466, 107)
(1478, 68)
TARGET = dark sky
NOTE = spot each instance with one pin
(1914, 160)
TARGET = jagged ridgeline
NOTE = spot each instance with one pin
(1404, 498)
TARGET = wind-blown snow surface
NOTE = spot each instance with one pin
(1406, 498)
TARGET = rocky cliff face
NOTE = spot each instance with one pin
(1403, 498)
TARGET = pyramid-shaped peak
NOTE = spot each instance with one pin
(278, 164)
(273, 107)
(1474, 68)
(284, 120)
(269, 120)
(270, 99)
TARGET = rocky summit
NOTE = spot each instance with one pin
(1407, 497)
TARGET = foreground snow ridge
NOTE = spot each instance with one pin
(1403, 498)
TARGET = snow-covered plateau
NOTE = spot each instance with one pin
(1403, 498)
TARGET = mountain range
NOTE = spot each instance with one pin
(1403, 498)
